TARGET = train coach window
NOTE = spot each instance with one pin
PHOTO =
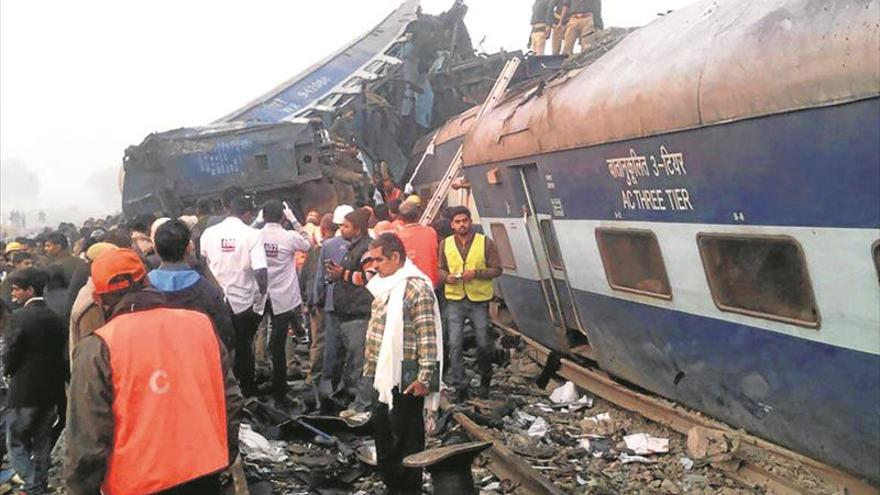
(762, 276)
(262, 161)
(502, 241)
(633, 262)
(552, 245)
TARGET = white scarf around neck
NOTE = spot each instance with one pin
(391, 290)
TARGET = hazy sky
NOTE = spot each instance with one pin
(82, 80)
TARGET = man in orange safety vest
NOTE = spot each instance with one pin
(154, 406)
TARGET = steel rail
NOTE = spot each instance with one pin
(682, 421)
(503, 462)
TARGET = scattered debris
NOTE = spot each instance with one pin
(366, 453)
(565, 394)
(627, 459)
(599, 418)
(596, 447)
(708, 446)
(585, 402)
(644, 444)
(256, 448)
(600, 424)
(539, 428)
(583, 449)
(687, 463)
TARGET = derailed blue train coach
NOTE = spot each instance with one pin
(275, 145)
(699, 211)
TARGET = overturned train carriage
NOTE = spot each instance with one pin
(701, 216)
(380, 93)
(174, 169)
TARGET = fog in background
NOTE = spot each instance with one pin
(80, 81)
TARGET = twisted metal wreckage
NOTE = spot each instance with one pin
(319, 136)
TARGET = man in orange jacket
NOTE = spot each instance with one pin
(154, 406)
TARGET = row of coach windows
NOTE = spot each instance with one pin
(761, 276)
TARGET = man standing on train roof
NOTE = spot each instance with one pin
(560, 18)
(468, 263)
(154, 407)
(542, 19)
(584, 17)
(237, 260)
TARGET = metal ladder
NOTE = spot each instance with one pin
(498, 90)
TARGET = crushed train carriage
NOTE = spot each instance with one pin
(311, 138)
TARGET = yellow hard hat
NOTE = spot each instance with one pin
(414, 199)
(13, 247)
(98, 248)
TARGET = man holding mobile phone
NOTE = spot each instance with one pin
(333, 250)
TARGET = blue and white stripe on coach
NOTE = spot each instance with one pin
(838, 260)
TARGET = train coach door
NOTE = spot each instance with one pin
(545, 247)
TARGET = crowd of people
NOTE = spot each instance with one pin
(124, 326)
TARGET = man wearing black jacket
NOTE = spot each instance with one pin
(183, 286)
(352, 302)
(34, 361)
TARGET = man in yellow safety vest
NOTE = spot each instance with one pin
(468, 263)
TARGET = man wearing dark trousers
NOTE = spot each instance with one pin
(332, 249)
(351, 302)
(34, 361)
(403, 339)
(284, 298)
(468, 263)
(237, 260)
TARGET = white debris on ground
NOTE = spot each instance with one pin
(591, 448)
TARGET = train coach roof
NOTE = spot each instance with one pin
(457, 126)
(711, 62)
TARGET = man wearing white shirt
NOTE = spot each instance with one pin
(284, 298)
(237, 259)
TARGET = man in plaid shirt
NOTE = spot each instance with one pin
(402, 355)
(420, 330)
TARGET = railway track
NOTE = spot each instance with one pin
(760, 466)
(504, 463)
